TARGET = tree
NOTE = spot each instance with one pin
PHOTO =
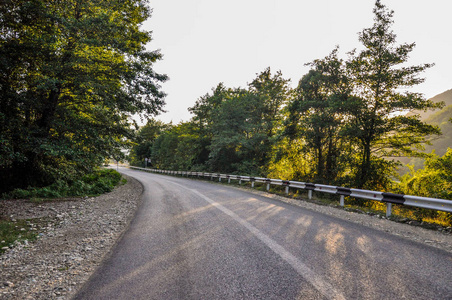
(145, 139)
(236, 126)
(376, 119)
(205, 106)
(178, 148)
(236, 134)
(273, 92)
(316, 115)
(72, 72)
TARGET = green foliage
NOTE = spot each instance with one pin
(95, 183)
(71, 74)
(237, 134)
(316, 115)
(241, 124)
(145, 139)
(434, 180)
(290, 162)
(178, 148)
(439, 144)
(232, 130)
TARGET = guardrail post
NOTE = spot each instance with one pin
(342, 200)
(268, 187)
(287, 190)
(219, 178)
(309, 194)
(252, 184)
(388, 209)
(229, 179)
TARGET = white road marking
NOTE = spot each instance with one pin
(316, 280)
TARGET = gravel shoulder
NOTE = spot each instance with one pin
(75, 235)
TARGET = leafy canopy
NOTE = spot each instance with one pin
(71, 74)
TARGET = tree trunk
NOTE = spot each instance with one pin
(330, 160)
(363, 174)
(48, 112)
(319, 161)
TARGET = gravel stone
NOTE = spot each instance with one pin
(73, 239)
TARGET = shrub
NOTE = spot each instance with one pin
(98, 182)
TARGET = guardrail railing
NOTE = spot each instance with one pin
(387, 198)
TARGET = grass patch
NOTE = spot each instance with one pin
(10, 232)
(96, 183)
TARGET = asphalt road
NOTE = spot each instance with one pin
(196, 240)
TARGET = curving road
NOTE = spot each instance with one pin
(196, 240)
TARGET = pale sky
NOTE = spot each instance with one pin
(205, 42)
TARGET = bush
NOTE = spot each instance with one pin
(95, 183)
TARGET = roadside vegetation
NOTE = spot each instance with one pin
(95, 183)
(347, 123)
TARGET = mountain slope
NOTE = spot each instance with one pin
(440, 118)
(445, 97)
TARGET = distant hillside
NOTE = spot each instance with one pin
(441, 119)
(445, 97)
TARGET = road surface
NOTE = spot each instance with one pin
(196, 240)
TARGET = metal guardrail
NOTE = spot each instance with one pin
(388, 198)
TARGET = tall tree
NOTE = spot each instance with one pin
(204, 114)
(238, 138)
(71, 74)
(240, 123)
(178, 148)
(145, 138)
(316, 114)
(273, 92)
(376, 111)
(205, 106)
